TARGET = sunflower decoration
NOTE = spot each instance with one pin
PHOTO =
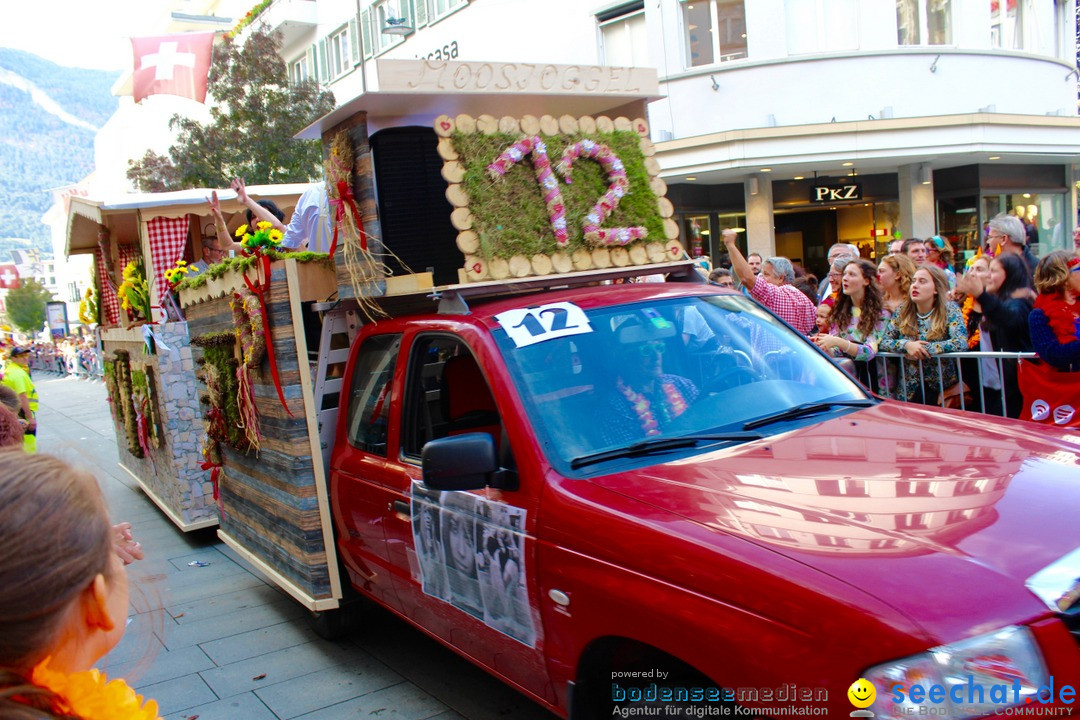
(88, 307)
(264, 236)
(174, 275)
(134, 292)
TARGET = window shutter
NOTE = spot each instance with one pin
(354, 41)
(419, 13)
(312, 66)
(324, 64)
(366, 34)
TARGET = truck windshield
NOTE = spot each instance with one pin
(697, 368)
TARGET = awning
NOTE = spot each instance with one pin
(121, 213)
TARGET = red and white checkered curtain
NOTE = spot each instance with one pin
(110, 304)
(168, 236)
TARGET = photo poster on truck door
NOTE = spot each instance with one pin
(470, 552)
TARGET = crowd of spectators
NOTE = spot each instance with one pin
(72, 356)
(919, 302)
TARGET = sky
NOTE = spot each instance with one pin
(79, 33)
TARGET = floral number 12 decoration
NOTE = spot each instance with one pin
(563, 214)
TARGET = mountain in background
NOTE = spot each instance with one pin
(48, 117)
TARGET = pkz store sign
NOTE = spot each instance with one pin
(835, 193)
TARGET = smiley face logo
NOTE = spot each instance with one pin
(861, 693)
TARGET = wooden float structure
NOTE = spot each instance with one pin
(151, 382)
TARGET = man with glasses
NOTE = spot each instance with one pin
(1006, 234)
(837, 251)
(723, 278)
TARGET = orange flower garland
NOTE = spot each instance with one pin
(643, 407)
(91, 696)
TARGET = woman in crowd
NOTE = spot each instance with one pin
(1004, 299)
(978, 267)
(925, 326)
(894, 274)
(60, 610)
(858, 319)
(940, 253)
(1053, 322)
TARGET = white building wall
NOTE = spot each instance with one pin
(805, 67)
(822, 89)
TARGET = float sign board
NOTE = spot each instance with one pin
(835, 193)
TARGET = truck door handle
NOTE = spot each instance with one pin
(401, 508)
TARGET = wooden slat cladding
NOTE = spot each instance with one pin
(270, 502)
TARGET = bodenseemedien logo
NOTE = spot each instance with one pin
(862, 694)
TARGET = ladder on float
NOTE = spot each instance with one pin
(339, 327)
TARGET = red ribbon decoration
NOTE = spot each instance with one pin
(259, 290)
(215, 470)
(346, 198)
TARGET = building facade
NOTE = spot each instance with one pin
(807, 122)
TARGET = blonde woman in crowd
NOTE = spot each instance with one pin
(894, 274)
(925, 326)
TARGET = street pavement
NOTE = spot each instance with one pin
(210, 638)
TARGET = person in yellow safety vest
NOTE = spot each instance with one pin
(17, 377)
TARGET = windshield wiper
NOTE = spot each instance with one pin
(805, 409)
(646, 447)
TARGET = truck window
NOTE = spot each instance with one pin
(372, 393)
(445, 394)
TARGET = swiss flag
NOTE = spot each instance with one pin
(9, 277)
(172, 65)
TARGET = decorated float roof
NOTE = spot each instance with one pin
(415, 92)
(121, 212)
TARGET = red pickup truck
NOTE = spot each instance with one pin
(653, 499)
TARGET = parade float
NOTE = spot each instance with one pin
(431, 191)
(137, 240)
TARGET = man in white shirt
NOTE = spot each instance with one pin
(308, 229)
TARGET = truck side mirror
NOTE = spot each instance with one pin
(464, 462)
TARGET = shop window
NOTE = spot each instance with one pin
(1042, 214)
(821, 25)
(715, 31)
(699, 231)
(924, 22)
(623, 37)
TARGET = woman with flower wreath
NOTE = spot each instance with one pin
(60, 610)
(646, 398)
(1053, 322)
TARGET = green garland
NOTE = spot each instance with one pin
(509, 215)
(218, 367)
(240, 264)
(123, 382)
(144, 393)
(109, 372)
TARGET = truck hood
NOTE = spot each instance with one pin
(943, 516)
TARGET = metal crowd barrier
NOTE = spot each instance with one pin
(935, 366)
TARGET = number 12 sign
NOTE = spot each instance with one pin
(528, 326)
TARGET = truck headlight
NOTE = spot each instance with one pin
(972, 677)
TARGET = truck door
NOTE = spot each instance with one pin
(364, 481)
(465, 562)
